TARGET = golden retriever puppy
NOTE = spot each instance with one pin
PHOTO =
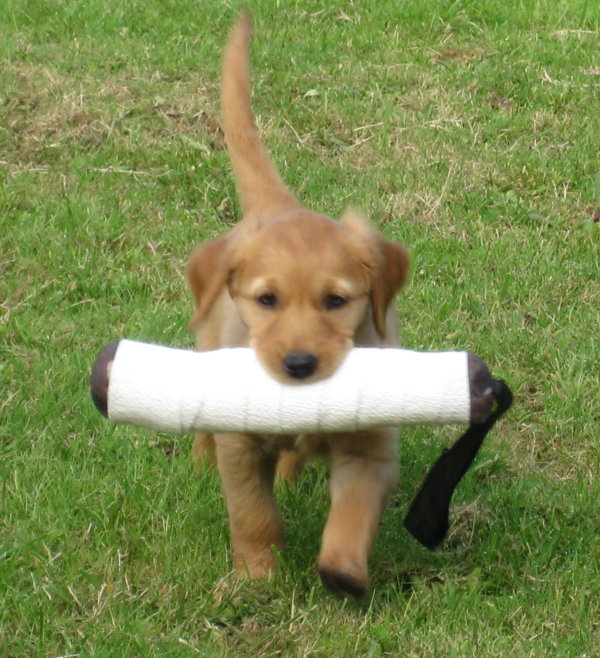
(300, 289)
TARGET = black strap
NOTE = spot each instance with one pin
(427, 518)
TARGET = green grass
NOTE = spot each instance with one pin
(468, 130)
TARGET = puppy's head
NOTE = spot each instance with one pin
(303, 285)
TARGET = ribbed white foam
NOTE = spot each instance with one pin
(227, 390)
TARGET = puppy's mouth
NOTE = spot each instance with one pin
(299, 366)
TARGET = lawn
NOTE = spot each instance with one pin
(467, 130)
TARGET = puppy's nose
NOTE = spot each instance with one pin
(300, 364)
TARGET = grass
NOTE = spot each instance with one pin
(467, 130)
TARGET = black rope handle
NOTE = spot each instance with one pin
(427, 518)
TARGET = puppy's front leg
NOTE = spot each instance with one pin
(203, 451)
(289, 465)
(247, 474)
(363, 471)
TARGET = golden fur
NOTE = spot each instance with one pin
(301, 289)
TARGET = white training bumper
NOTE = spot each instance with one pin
(227, 390)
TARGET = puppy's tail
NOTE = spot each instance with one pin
(260, 187)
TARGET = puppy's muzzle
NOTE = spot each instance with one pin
(300, 364)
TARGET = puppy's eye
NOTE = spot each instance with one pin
(268, 300)
(334, 301)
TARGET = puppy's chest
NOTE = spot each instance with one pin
(305, 444)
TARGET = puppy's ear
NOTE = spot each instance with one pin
(207, 274)
(387, 278)
(387, 264)
(213, 265)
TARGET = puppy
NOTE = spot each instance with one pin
(300, 289)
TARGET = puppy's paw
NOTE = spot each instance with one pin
(343, 582)
(257, 565)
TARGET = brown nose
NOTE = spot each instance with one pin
(300, 364)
